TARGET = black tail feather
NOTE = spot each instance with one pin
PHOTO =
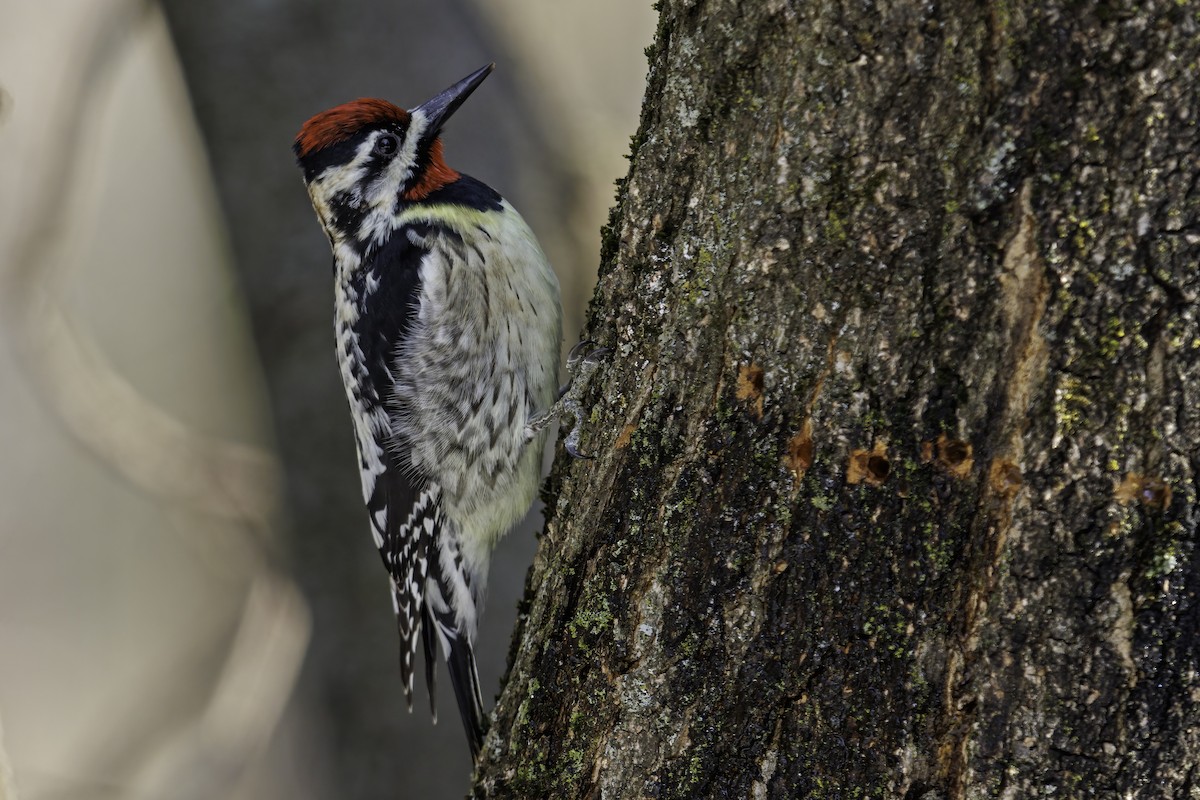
(428, 637)
(465, 680)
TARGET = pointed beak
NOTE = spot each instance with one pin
(438, 109)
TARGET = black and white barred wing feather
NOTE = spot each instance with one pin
(426, 567)
(432, 590)
(404, 518)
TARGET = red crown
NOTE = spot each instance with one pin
(341, 122)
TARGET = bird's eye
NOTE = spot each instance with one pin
(386, 144)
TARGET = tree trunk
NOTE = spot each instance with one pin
(895, 491)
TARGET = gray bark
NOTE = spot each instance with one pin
(895, 493)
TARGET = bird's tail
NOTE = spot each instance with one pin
(464, 676)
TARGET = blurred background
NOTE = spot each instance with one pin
(190, 604)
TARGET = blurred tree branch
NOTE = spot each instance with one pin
(205, 757)
(104, 412)
(173, 464)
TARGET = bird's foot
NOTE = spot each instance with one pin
(582, 361)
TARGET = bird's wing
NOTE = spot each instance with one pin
(431, 587)
(403, 515)
(403, 507)
(426, 567)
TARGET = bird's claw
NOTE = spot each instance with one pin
(584, 357)
(582, 361)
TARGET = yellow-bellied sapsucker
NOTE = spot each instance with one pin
(448, 326)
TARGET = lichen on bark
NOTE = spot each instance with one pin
(895, 492)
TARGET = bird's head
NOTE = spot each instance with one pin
(364, 160)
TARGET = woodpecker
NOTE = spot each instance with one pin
(448, 324)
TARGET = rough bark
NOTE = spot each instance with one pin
(895, 488)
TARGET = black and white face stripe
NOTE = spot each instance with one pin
(347, 153)
(357, 185)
